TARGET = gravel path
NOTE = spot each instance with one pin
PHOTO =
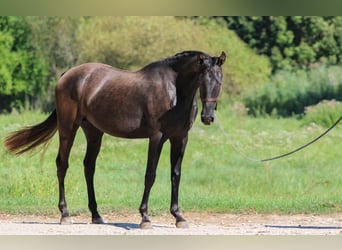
(199, 224)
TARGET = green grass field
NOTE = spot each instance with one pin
(216, 176)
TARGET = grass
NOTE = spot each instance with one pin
(215, 176)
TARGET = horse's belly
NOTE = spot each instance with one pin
(122, 127)
(127, 132)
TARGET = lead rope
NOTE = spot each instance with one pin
(279, 156)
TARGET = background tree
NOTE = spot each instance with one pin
(54, 41)
(292, 42)
(21, 71)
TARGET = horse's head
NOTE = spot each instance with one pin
(210, 81)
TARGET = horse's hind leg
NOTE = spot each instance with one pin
(66, 139)
(94, 139)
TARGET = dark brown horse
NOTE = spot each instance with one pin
(157, 102)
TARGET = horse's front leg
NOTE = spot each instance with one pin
(177, 152)
(154, 149)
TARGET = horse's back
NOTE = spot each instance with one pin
(83, 80)
(118, 102)
(80, 73)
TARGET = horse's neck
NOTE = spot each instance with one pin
(186, 83)
(187, 86)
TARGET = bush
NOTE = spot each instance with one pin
(324, 113)
(289, 93)
(132, 42)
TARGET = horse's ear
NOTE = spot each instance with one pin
(200, 59)
(221, 59)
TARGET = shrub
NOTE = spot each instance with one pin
(324, 113)
(132, 42)
(288, 93)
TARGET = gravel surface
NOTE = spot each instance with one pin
(199, 224)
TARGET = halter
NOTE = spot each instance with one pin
(209, 99)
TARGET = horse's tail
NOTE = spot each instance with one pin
(30, 137)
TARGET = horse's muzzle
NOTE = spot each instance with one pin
(208, 112)
(207, 120)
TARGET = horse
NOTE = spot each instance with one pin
(157, 102)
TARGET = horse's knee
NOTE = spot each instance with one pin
(149, 179)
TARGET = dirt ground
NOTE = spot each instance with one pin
(199, 224)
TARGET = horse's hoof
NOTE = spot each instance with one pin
(146, 225)
(98, 220)
(182, 224)
(66, 221)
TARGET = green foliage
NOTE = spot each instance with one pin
(289, 93)
(54, 41)
(324, 113)
(132, 42)
(292, 42)
(22, 73)
(8, 63)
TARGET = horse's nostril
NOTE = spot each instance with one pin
(207, 120)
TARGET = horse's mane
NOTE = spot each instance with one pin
(175, 58)
(181, 55)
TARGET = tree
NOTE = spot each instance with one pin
(292, 42)
(54, 41)
(21, 71)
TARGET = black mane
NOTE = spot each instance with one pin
(176, 58)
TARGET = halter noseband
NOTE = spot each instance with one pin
(209, 99)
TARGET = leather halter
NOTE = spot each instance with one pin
(209, 99)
